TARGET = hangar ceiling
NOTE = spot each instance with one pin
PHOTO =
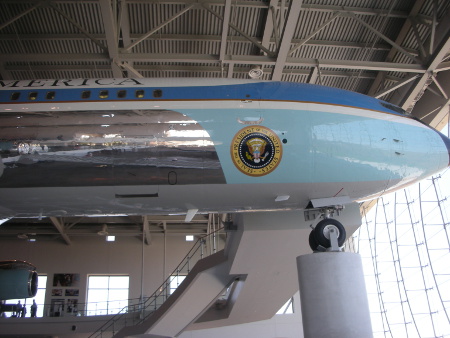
(396, 50)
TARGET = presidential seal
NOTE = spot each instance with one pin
(256, 150)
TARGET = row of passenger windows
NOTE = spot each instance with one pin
(87, 94)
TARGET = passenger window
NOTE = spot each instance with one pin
(15, 96)
(32, 96)
(86, 94)
(139, 94)
(157, 93)
(121, 94)
(50, 95)
(103, 94)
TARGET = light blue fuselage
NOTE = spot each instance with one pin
(141, 146)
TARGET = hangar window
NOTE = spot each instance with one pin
(157, 93)
(86, 94)
(103, 94)
(106, 294)
(140, 93)
(287, 308)
(15, 96)
(121, 94)
(50, 95)
(32, 96)
(175, 281)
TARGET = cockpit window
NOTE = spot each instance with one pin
(393, 107)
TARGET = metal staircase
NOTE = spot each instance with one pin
(136, 314)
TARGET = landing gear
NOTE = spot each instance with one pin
(328, 234)
(322, 232)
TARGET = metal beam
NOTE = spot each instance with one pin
(81, 29)
(225, 27)
(424, 81)
(132, 72)
(4, 74)
(240, 31)
(286, 39)
(399, 40)
(146, 230)
(317, 30)
(313, 75)
(270, 26)
(422, 52)
(110, 28)
(192, 38)
(157, 28)
(382, 36)
(235, 59)
(441, 116)
(229, 70)
(396, 86)
(18, 16)
(60, 227)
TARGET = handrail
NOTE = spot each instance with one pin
(150, 304)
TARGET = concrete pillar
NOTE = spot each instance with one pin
(333, 296)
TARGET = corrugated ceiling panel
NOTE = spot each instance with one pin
(47, 46)
(155, 46)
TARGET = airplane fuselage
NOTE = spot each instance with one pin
(165, 146)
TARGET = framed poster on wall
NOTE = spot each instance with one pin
(57, 308)
(66, 279)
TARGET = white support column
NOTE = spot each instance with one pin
(333, 296)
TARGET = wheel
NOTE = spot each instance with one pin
(313, 244)
(322, 232)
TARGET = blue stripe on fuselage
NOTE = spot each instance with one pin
(271, 91)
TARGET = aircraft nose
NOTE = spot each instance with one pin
(447, 143)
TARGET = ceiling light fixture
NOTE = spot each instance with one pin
(104, 231)
(256, 72)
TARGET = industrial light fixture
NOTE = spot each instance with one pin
(110, 238)
(189, 238)
(256, 72)
(104, 231)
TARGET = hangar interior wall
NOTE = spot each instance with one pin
(93, 255)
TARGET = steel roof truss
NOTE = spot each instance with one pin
(110, 29)
(271, 26)
(81, 29)
(317, 30)
(399, 40)
(157, 28)
(382, 36)
(25, 12)
(426, 78)
(59, 225)
(422, 52)
(396, 86)
(240, 31)
(225, 27)
(288, 32)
